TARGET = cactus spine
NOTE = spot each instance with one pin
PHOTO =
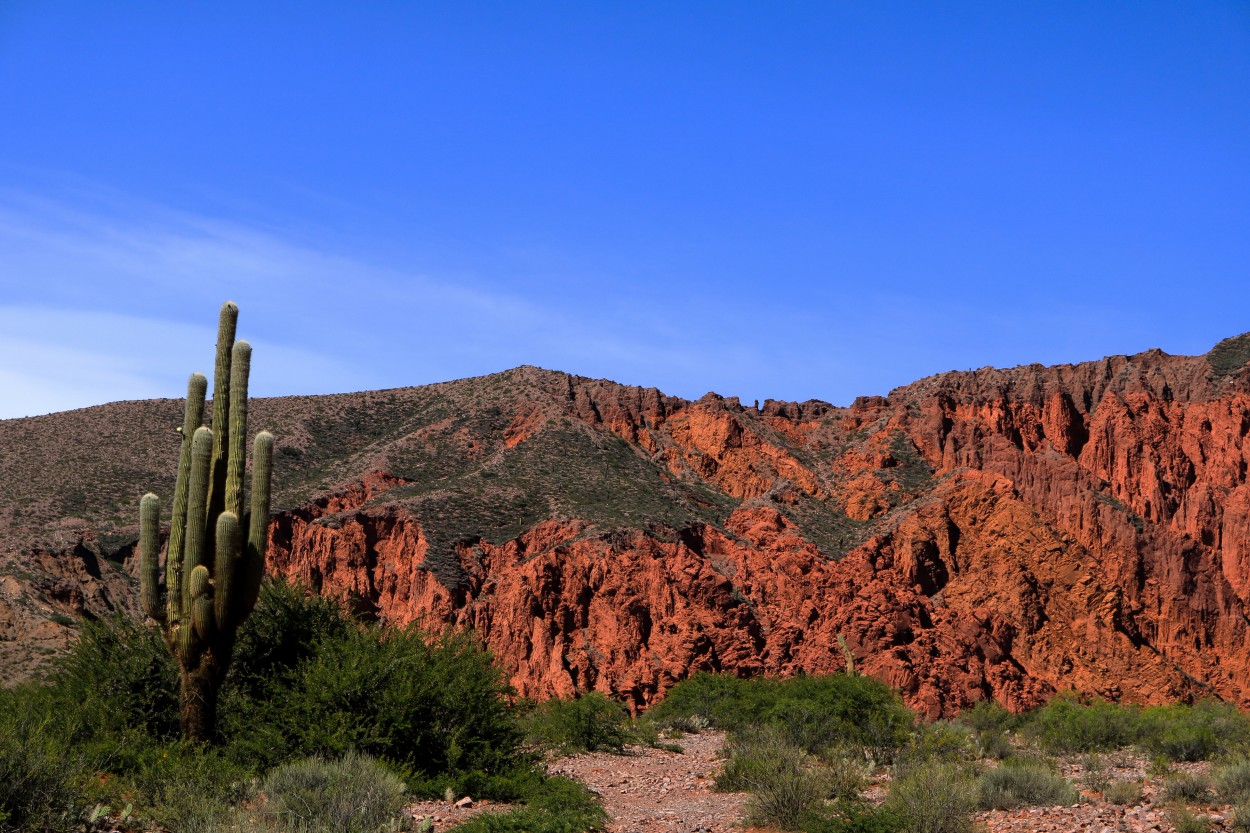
(215, 557)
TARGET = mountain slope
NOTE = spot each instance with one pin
(1001, 533)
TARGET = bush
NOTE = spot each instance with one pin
(934, 797)
(1232, 782)
(1066, 725)
(940, 741)
(37, 769)
(1018, 785)
(351, 795)
(785, 794)
(814, 713)
(1241, 817)
(1123, 793)
(186, 788)
(586, 724)
(988, 716)
(752, 755)
(1188, 787)
(285, 630)
(119, 687)
(556, 805)
(786, 783)
(1185, 821)
(1096, 778)
(429, 705)
(1194, 733)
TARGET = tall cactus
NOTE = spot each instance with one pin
(212, 570)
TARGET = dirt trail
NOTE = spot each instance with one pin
(655, 790)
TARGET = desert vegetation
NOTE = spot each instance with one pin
(841, 753)
(329, 723)
(325, 724)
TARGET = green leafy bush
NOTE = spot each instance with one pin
(940, 741)
(1009, 786)
(1066, 725)
(429, 705)
(585, 724)
(1194, 733)
(353, 794)
(118, 686)
(38, 769)
(814, 713)
(988, 716)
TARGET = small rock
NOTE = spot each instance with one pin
(465, 802)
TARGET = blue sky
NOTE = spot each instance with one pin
(789, 200)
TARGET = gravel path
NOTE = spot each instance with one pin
(653, 790)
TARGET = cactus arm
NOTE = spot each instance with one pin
(197, 387)
(149, 553)
(240, 366)
(193, 556)
(228, 562)
(258, 523)
(221, 408)
(202, 604)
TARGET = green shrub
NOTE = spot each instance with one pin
(187, 788)
(1194, 733)
(940, 741)
(1123, 793)
(120, 685)
(1189, 787)
(1096, 778)
(1066, 725)
(1240, 821)
(556, 805)
(351, 795)
(285, 630)
(846, 775)
(1186, 821)
(752, 755)
(814, 713)
(994, 745)
(934, 797)
(431, 705)
(585, 724)
(988, 716)
(786, 783)
(1232, 781)
(1010, 786)
(784, 794)
(38, 769)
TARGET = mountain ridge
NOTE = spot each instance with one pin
(996, 532)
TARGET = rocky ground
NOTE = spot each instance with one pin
(657, 790)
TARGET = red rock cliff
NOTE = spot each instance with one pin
(994, 533)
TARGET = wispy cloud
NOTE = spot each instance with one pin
(109, 300)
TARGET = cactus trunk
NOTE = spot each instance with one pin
(215, 558)
(198, 686)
